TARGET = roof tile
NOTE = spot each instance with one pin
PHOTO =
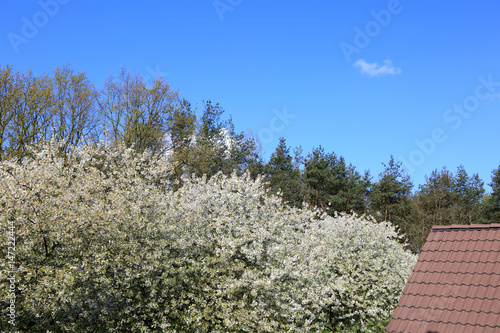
(455, 285)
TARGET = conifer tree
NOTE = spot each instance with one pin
(444, 199)
(468, 192)
(491, 210)
(283, 176)
(431, 205)
(217, 147)
(331, 183)
(390, 196)
(180, 132)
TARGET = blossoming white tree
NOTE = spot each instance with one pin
(104, 245)
(353, 270)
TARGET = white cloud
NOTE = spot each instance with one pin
(375, 70)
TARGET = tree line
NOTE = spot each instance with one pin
(200, 140)
(326, 180)
(66, 105)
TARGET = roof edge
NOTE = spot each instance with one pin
(465, 226)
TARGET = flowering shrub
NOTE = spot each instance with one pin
(102, 244)
(353, 270)
(89, 243)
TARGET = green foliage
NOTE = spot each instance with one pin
(74, 114)
(181, 130)
(136, 114)
(331, 183)
(216, 147)
(390, 196)
(491, 211)
(468, 192)
(284, 177)
(430, 206)
(26, 111)
(443, 200)
(64, 105)
(8, 91)
(34, 108)
(127, 109)
(210, 142)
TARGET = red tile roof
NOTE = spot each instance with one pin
(455, 284)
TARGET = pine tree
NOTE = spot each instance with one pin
(181, 129)
(431, 205)
(241, 152)
(209, 146)
(468, 193)
(491, 210)
(283, 176)
(390, 196)
(217, 147)
(444, 199)
(331, 183)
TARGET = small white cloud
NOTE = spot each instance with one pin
(375, 70)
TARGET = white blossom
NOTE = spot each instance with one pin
(102, 244)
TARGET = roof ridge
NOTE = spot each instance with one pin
(444, 272)
(456, 284)
(446, 309)
(449, 296)
(437, 250)
(463, 261)
(461, 240)
(465, 226)
(446, 322)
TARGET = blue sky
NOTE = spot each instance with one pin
(419, 80)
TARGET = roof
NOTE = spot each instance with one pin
(455, 284)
